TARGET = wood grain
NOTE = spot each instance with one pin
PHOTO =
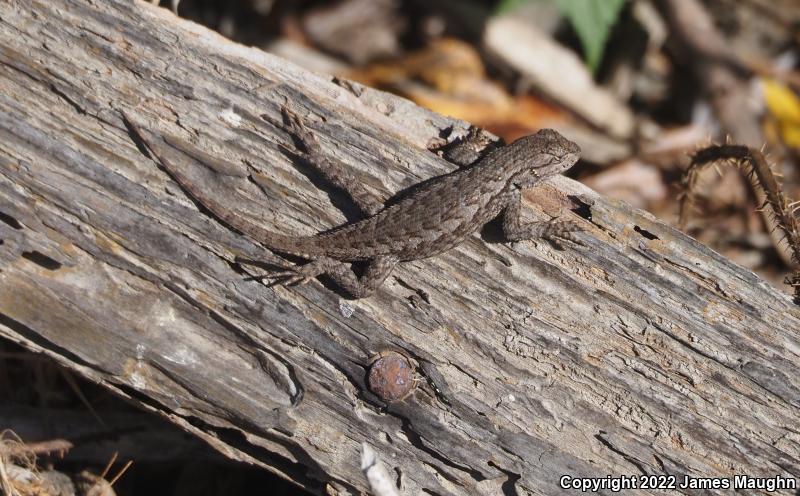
(643, 353)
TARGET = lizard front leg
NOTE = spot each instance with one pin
(553, 230)
(469, 149)
(378, 269)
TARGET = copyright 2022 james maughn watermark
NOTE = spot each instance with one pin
(666, 482)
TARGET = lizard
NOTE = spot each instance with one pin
(434, 218)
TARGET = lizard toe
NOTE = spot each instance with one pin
(563, 230)
(283, 274)
(295, 280)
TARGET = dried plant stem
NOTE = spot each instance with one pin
(763, 179)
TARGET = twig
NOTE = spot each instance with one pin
(375, 471)
(763, 179)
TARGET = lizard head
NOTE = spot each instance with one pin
(544, 154)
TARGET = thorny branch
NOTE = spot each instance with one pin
(757, 169)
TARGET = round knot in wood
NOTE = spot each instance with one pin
(391, 377)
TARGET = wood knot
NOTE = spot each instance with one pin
(391, 376)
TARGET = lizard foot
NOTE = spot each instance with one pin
(300, 274)
(556, 231)
(341, 273)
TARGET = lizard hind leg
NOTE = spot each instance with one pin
(332, 170)
(342, 274)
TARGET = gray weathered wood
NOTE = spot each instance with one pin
(644, 352)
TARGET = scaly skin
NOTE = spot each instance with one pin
(434, 218)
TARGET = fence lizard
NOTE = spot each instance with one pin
(432, 219)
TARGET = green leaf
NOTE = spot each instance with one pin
(504, 6)
(592, 21)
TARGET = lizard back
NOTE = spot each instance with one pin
(444, 211)
(432, 220)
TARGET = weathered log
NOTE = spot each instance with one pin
(642, 353)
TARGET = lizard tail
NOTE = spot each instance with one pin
(302, 246)
(291, 245)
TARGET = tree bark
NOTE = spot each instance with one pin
(642, 353)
